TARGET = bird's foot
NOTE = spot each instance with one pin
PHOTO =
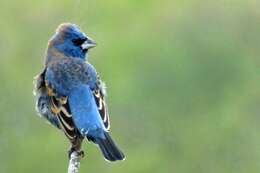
(80, 153)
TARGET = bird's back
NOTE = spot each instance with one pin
(67, 73)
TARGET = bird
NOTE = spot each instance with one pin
(70, 94)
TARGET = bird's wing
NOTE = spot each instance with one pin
(99, 91)
(43, 101)
(85, 112)
(99, 95)
(54, 109)
(60, 107)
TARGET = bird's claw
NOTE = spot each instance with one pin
(80, 153)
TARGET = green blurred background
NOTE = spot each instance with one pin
(182, 76)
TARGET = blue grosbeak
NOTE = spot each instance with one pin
(70, 93)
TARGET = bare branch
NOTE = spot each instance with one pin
(74, 162)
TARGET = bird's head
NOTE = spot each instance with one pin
(70, 41)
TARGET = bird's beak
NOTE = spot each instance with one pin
(89, 43)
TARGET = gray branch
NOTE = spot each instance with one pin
(74, 162)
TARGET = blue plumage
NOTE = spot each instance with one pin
(70, 36)
(85, 112)
(74, 93)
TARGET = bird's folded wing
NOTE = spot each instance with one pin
(56, 108)
(43, 101)
(102, 108)
(85, 112)
(60, 107)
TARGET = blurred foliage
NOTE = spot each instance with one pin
(182, 76)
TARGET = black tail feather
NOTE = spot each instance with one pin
(109, 148)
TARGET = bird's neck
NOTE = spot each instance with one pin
(53, 54)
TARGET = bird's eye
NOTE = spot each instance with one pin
(79, 41)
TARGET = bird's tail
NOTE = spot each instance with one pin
(109, 149)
